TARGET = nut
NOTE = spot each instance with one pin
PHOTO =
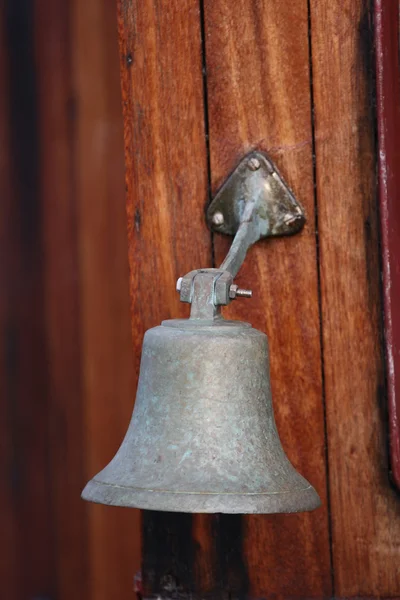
(232, 291)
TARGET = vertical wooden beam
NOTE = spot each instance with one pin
(60, 109)
(365, 523)
(257, 60)
(165, 154)
(62, 325)
(28, 517)
(9, 556)
(114, 536)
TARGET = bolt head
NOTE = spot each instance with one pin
(236, 292)
(254, 164)
(218, 218)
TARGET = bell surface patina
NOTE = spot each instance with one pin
(203, 436)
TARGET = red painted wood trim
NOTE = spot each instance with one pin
(388, 113)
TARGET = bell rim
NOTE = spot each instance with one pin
(291, 501)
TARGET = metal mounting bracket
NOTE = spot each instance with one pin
(253, 203)
(257, 178)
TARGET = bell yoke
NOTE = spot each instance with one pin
(202, 436)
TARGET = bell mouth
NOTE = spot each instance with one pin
(298, 500)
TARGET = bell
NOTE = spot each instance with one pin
(202, 436)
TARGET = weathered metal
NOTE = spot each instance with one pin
(254, 203)
(203, 436)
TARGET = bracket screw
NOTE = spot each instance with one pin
(218, 218)
(254, 164)
(290, 219)
(236, 292)
(179, 284)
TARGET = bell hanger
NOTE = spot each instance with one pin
(253, 203)
(203, 437)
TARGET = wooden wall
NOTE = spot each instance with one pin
(201, 87)
(203, 82)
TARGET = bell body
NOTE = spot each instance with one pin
(202, 436)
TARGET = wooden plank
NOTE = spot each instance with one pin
(165, 154)
(43, 520)
(114, 537)
(388, 113)
(366, 527)
(60, 264)
(9, 575)
(28, 548)
(206, 565)
(259, 97)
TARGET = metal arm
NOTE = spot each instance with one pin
(246, 235)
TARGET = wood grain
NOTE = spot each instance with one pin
(165, 154)
(60, 266)
(114, 536)
(259, 97)
(48, 306)
(365, 510)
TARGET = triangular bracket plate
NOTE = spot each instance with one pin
(257, 180)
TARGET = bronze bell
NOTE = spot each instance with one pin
(202, 436)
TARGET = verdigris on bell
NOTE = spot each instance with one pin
(202, 436)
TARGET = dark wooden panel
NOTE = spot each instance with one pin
(108, 372)
(165, 153)
(60, 266)
(365, 510)
(207, 575)
(388, 103)
(259, 97)
(66, 342)
(9, 575)
(28, 511)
